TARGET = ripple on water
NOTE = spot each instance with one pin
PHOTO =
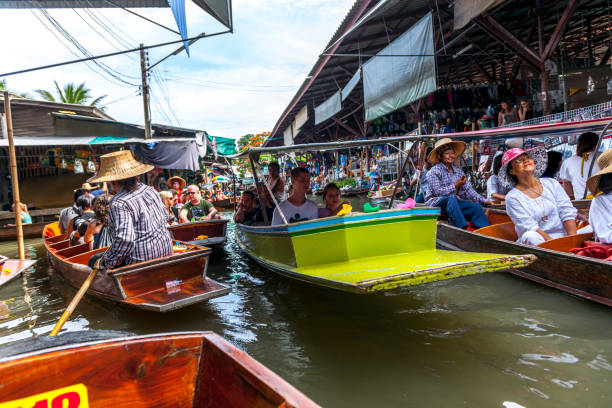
(564, 358)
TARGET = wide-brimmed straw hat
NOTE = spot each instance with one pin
(176, 178)
(458, 146)
(605, 164)
(538, 155)
(118, 166)
(86, 186)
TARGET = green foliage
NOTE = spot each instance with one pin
(71, 93)
(3, 85)
(244, 140)
(351, 182)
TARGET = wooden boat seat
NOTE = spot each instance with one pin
(83, 258)
(59, 245)
(497, 217)
(564, 244)
(504, 230)
(57, 238)
(72, 251)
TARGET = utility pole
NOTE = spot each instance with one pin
(145, 93)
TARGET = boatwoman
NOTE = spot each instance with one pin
(539, 207)
(137, 218)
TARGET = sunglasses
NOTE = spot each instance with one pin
(192, 192)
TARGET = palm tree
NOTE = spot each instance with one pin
(4, 88)
(78, 95)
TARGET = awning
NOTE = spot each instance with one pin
(86, 140)
(224, 146)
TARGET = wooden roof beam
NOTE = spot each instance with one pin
(346, 127)
(553, 42)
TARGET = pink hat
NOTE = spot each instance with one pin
(538, 155)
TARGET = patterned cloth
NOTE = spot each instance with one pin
(137, 221)
(441, 183)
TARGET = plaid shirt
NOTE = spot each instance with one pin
(441, 183)
(137, 222)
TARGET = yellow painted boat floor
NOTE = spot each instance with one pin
(361, 269)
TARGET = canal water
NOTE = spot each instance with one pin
(490, 340)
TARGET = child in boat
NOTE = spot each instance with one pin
(97, 234)
(539, 207)
(600, 214)
(25, 216)
(332, 198)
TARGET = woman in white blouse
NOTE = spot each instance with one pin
(600, 215)
(539, 208)
(575, 170)
(495, 191)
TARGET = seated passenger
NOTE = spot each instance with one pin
(495, 191)
(67, 214)
(98, 234)
(331, 197)
(575, 170)
(167, 199)
(600, 215)
(448, 188)
(196, 208)
(540, 208)
(246, 210)
(26, 218)
(296, 208)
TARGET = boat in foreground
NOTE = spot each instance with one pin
(207, 232)
(198, 369)
(11, 268)
(159, 285)
(364, 253)
(555, 266)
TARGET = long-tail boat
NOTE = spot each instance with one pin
(206, 232)
(11, 268)
(555, 266)
(159, 285)
(198, 369)
(363, 252)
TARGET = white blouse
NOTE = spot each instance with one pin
(574, 171)
(547, 212)
(494, 186)
(600, 218)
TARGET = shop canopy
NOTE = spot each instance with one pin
(222, 146)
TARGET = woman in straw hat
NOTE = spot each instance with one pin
(539, 207)
(137, 218)
(177, 184)
(448, 188)
(600, 215)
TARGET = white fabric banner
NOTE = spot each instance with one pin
(352, 83)
(288, 136)
(328, 108)
(301, 118)
(390, 83)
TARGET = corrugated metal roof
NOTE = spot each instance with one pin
(82, 4)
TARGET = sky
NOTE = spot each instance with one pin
(232, 84)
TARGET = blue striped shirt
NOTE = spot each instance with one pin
(137, 222)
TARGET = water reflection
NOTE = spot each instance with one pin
(489, 340)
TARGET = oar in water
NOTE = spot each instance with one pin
(77, 298)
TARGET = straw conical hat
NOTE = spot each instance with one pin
(605, 164)
(118, 166)
(176, 178)
(458, 147)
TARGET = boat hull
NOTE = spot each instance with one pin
(198, 369)
(365, 253)
(214, 230)
(588, 278)
(9, 233)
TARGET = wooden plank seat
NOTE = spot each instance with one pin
(497, 217)
(504, 230)
(564, 244)
(72, 251)
(52, 240)
(83, 258)
(59, 245)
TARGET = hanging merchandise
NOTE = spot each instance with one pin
(91, 167)
(590, 85)
(609, 87)
(78, 167)
(64, 165)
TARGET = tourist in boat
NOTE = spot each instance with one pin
(275, 182)
(137, 219)
(196, 208)
(297, 207)
(98, 234)
(68, 213)
(83, 204)
(525, 112)
(26, 218)
(575, 170)
(600, 214)
(422, 189)
(177, 184)
(539, 207)
(448, 188)
(495, 191)
(167, 199)
(555, 159)
(246, 210)
(333, 201)
(506, 115)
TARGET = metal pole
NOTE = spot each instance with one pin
(145, 92)
(14, 174)
(261, 203)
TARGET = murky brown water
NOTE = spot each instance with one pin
(485, 341)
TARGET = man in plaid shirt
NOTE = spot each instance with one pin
(137, 218)
(447, 187)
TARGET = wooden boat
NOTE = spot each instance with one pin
(364, 253)
(387, 193)
(198, 369)
(159, 285)
(225, 203)
(555, 266)
(207, 232)
(352, 192)
(11, 268)
(9, 232)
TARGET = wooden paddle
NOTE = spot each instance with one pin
(77, 298)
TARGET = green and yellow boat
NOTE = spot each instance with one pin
(363, 252)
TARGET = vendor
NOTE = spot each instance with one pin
(539, 207)
(600, 214)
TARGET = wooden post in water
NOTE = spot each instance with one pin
(14, 174)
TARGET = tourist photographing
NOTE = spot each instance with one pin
(539, 207)
(297, 207)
